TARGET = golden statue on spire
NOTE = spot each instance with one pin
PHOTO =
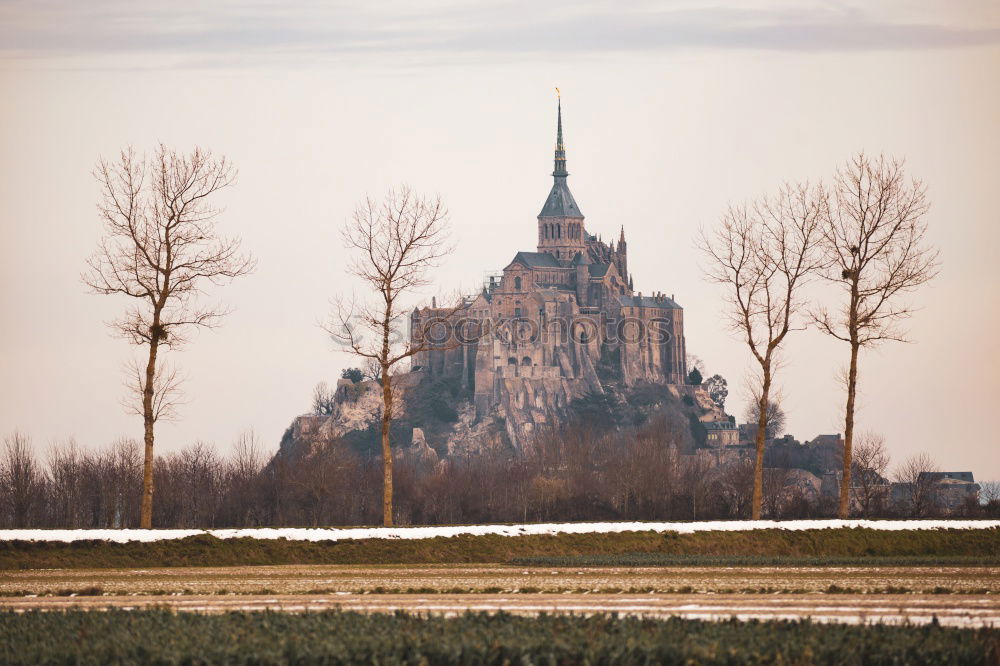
(558, 94)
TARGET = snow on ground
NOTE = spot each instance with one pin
(338, 534)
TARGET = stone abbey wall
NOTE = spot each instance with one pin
(555, 322)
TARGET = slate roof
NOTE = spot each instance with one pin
(598, 270)
(560, 202)
(536, 260)
(664, 303)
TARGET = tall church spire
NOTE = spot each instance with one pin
(560, 202)
(560, 161)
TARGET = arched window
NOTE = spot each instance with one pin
(511, 361)
(558, 231)
(526, 360)
(517, 284)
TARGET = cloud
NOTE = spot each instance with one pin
(221, 31)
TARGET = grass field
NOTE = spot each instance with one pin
(767, 546)
(157, 636)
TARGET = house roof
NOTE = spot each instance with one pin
(598, 270)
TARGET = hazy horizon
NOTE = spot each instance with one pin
(672, 111)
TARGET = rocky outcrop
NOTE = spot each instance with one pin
(528, 404)
(356, 407)
(435, 419)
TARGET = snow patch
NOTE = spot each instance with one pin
(340, 534)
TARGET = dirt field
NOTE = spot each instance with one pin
(956, 596)
(466, 579)
(951, 610)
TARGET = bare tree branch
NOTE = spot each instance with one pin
(876, 251)
(763, 253)
(395, 242)
(160, 247)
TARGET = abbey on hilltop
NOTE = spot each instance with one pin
(563, 319)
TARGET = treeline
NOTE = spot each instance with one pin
(577, 474)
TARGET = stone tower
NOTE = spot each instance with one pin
(553, 318)
(560, 224)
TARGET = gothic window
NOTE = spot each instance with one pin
(517, 284)
(558, 231)
(526, 360)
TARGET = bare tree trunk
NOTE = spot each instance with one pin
(758, 467)
(386, 448)
(148, 419)
(844, 510)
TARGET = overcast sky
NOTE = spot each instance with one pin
(672, 111)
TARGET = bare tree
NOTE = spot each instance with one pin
(775, 417)
(66, 497)
(395, 241)
(776, 491)
(989, 498)
(736, 487)
(324, 400)
(21, 480)
(918, 476)
(873, 238)
(763, 253)
(871, 460)
(718, 390)
(989, 492)
(160, 248)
